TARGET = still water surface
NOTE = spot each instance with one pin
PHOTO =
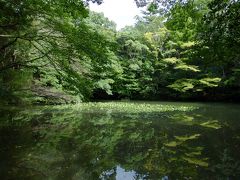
(119, 141)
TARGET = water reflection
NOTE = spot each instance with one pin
(65, 143)
(119, 173)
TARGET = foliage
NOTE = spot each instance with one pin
(47, 37)
(221, 38)
(176, 50)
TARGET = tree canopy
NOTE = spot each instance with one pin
(59, 51)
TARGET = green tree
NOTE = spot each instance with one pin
(43, 36)
(220, 40)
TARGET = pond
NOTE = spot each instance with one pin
(121, 140)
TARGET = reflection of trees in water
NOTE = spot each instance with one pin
(73, 145)
(15, 142)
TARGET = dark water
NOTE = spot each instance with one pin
(68, 143)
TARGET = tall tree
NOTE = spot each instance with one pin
(49, 34)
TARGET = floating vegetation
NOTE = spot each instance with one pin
(130, 107)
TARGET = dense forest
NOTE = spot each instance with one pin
(81, 99)
(56, 52)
